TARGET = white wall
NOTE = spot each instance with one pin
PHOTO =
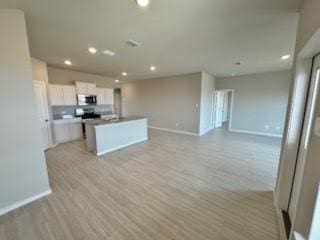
(39, 70)
(260, 100)
(69, 77)
(23, 172)
(206, 105)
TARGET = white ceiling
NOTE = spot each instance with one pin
(177, 36)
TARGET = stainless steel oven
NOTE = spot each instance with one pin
(85, 100)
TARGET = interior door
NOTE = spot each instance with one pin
(43, 113)
(219, 109)
(225, 106)
(309, 131)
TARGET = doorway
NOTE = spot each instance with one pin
(43, 113)
(223, 109)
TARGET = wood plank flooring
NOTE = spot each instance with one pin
(172, 187)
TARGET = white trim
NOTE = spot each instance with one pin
(205, 131)
(255, 133)
(231, 107)
(297, 236)
(280, 221)
(174, 131)
(122, 146)
(24, 202)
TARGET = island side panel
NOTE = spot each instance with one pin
(115, 136)
(91, 138)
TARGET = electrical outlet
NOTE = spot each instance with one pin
(267, 127)
(177, 124)
(197, 105)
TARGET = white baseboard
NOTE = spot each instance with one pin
(255, 133)
(122, 146)
(174, 131)
(205, 131)
(24, 202)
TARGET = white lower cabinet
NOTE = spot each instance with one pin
(66, 130)
(75, 126)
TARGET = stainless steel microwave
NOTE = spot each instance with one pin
(85, 100)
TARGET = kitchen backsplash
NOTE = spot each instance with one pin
(62, 110)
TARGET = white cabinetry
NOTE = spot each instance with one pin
(105, 96)
(69, 95)
(66, 130)
(62, 95)
(101, 96)
(61, 131)
(56, 95)
(75, 126)
(109, 96)
(84, 88)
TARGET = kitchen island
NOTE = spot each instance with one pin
(104, 136)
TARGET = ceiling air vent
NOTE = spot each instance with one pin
(133, 43)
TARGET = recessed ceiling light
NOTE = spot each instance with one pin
(108, 52)
(285, 57)
(92, 50)
(67, 62)
(143, 3)
(124, 74)
(153, 68)
(133, 43)
(116, 80)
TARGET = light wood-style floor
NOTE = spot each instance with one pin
(173, 187)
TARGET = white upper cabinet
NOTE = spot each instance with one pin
(62, 95)
(69, 95)
(105, 96)
(56, 95)
(101, 96)
(91, 89)
(109, 96)
(83, 88)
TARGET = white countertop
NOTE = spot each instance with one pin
(101, 122)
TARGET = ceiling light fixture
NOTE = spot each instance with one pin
(285, 57)
(143, 3)
(67, 62)
(153, 68)
(232, 74)
(108, 52)
(133, 43)
(92, 50)
(116, 80)
(124, 74)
